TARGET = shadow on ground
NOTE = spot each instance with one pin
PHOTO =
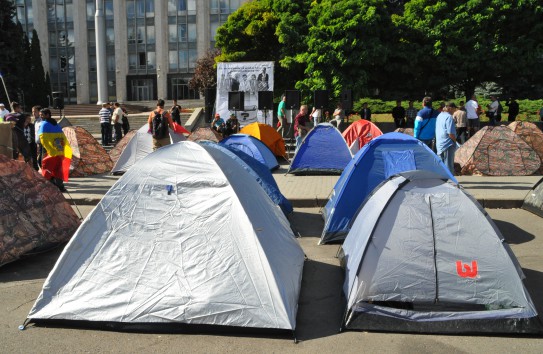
(306, 224)
(321, 303)
(31, 267)
(534, 284)
(512, 233)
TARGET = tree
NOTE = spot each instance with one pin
(39, 90)
(8, 47)
(205, 73)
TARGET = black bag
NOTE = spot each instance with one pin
(160, 125)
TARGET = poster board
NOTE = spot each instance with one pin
(249, 77)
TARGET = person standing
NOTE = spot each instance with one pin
(175, 111)
(3, 112)
(425, 123)
(461, 122)
(398, 113)
(37, 124)
(159, 120)
(282, 117)
(262, 80)
(339, 115)
(410, 115)
(316, 116)
(493, 111)
(301, 125)
(126, 123)
(366, 112)
(446, 136)
(117, 119)
(105, 124)
(30, 135)
(513, 109)
(56, 165)
(472, 112)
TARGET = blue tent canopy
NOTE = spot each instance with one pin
(385, 156)
(252, 147)
(323, 151)
(256, 169)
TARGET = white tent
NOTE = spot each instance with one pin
(186, 236)
(138, 147)
(423, 256)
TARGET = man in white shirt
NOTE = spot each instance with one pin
(316, 116)
(3, 112)
(493, 110)
(116, 121)
(472, 113)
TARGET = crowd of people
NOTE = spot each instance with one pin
(114, 123)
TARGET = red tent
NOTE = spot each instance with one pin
(360, 133)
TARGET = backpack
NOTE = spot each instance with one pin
(160, 125)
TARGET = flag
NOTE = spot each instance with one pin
(179, 129)
(59, 153)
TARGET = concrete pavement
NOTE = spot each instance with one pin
(320, 305)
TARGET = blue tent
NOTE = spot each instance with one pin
(259, 172)
(381, 158)
(323, 151)
(252, 147)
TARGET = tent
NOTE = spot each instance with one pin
(185, 236)
(259, 171)
(252, 147)
(424, 256)
(118, 149)
(139, 145)
(88, 156)
(6, 139)
(35, 216)
(323, 151)
(205, 133)
(381, 158)
(497, 151)
(360, 133)
(532, 135)
(268, 136)
(534, 199)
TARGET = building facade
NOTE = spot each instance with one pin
(151, 45)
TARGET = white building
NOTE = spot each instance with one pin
(151, 45)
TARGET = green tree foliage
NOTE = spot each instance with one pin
(8, 48)
(205, 73)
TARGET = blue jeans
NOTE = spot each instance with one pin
(447, 156)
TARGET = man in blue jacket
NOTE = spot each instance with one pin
(425, 123)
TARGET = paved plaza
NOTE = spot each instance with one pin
(321, 303)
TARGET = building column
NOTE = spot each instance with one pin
(161, 48)
(203, 39)
(81, 55)
(121, 49)
(101, 59)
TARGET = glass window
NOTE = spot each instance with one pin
(224, 5)
(150, 34)
(191, 7)
(51, 16)
(172, 59)
(108, 7)
(69, 13)
(92, 63)
(71, 36)
(140, 8)
(172, 33)
(141, 60)
(183, 59)
(60, 13)
(53, 64)
(172, 7)
(132, 61)
(62, 38)
(182, 32)
(110, 62)
(52, 39)
(21, 15)
(110, 36)
(192, 32)
(150, 8)
(130, 9)
(140, 34)
(214, 26)
(151, 60)
(193, 56)
(71, 64)
(91, 10)
(91, 37)
(214, 5)
(30, 14)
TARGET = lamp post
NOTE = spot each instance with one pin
(101, 69)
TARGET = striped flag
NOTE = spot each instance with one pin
(59, 153)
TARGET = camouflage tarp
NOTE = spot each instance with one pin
(34, 216)
(118, 149)
(408, 131)
(205, 133)
(530, 133)
(6, 142)
(497, 151)
(89, 157)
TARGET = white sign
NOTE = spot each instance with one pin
(249, 78)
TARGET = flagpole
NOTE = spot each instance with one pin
(9, 101)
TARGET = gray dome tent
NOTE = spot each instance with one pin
(185, 237)
(423, 256)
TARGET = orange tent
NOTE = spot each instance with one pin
(268, 136)
(362, 131)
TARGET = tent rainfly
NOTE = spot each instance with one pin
(88, 156)
(185, 237)
(252, 147)
(323, 151)
(360, 133)
(268, 136)
(424, 256)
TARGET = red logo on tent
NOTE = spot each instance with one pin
(465, 270)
